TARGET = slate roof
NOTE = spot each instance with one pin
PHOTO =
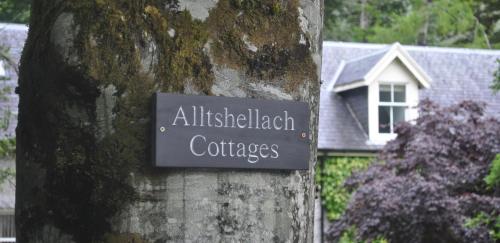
(13, 37)
(457, 74)
(355, 70)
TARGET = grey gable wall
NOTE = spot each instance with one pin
(357, 100)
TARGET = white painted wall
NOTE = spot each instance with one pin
(395, 73)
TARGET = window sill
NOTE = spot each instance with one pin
(381, 139)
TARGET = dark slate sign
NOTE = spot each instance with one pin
(223, 132)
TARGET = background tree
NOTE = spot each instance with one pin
(15, 11)
(429, 183)
(462, 23)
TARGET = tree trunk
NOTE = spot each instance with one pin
(88, 73)
(363, 17)
(423, 37)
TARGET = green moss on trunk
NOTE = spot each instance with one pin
(88, 166)
(264, 37)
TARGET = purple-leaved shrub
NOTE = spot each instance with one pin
(430, 181)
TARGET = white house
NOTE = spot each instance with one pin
(367, 88)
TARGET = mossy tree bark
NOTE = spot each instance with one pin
(88, 72)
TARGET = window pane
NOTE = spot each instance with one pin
(384, 119)
(385, 93)
(399, 114)
(399, 93)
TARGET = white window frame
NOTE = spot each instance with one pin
(391, 105)
(3, 71)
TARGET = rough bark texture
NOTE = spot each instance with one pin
(88, 72)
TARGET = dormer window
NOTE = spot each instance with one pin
(392, 106)
(380, 90)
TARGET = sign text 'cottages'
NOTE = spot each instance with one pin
(223, 132)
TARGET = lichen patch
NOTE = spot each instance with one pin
(63, 35)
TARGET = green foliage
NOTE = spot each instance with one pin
(496, 81)
(336, 170)
(7, 144)
(448, 23)
(6, 173)
(493, 178)
(7, 148)
(403, 32)
(349, 236)
(339, 20)
(15, 11)
(485, 220)
(463, 23)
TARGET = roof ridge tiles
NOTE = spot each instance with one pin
(13, 26)
(377, 52)
(459, 50)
